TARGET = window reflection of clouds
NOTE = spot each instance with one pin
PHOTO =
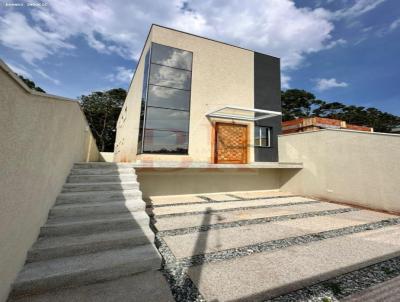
(172, 57)
(168, 98)
(169, 87)
(167, 119)
(169, 77)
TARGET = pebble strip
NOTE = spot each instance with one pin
(344, 285)
(182, 287)
(234, 209)
(236, 197)
(233, 224)
(205, 198)
(281, 243)
(209, 200)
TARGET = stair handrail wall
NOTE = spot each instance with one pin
(41, 136)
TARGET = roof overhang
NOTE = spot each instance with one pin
(241, 113)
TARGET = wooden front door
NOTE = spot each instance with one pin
(230, 143)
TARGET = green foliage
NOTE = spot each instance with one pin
(31, 84)
(300, 103)
(102, 110)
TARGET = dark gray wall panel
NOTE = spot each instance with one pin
(267, 95)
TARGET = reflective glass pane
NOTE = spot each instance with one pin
(172, 57)
(165, 141)
(263, 132)
(168, 98)
(170, 77)
(167, 119)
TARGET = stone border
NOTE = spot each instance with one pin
(153, 216)
(210, 200)
(345, 285)
(239, 223)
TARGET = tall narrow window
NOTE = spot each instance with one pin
(262, 136)
(167, 104)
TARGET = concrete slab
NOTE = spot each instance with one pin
(170, 223)
(222, 239)
(149, 286)
(173, 199)
(266, 275)
(258, 194)
(225, 205)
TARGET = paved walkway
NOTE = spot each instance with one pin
(254, 246)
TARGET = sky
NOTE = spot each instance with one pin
(340, 50)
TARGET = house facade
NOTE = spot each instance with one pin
(193, 99)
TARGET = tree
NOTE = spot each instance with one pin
(102, 110)
(300, 103)
(31, 84)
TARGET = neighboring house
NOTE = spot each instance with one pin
(396, 130)
(199, 100)
(318, 123)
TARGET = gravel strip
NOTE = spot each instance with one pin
(235, 196)
(280, 243)
(182, 287)
(233, 224)
(205, 198)
(342, 286)
(209, 200)
(234, 209)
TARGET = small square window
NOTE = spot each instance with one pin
(262, 136)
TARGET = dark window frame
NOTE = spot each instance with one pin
(142, 147)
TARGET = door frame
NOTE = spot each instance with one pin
(215, 142)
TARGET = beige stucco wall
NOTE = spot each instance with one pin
(155, 182)
(221, 75)
(346, 166)
(41, 137)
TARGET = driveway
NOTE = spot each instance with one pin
(271, 245)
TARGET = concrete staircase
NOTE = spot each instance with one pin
(97, 231)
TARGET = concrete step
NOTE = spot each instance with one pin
(102, 171)
(101, 186)
(66, 246)
(147, 286)
(59, 226)
(43, 276)
(262, 276)
(98, 196)
(103, 165)
(101, 178)
(96, 208)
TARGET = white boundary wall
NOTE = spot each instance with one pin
(41, 137)
(353, 167)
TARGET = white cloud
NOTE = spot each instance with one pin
(335, 43)
(275, 27)
(33, 42)
(285, 79)
(394, 24)
(122, 75)
(325, 84)
(359, 8)
(18, 69)
(46, 76)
